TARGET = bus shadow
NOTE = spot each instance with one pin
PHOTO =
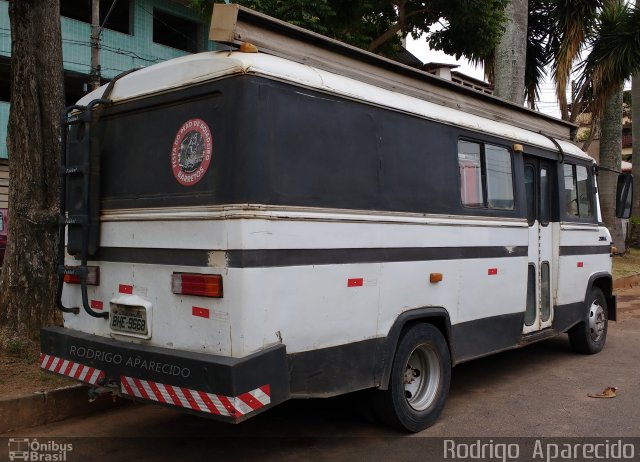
(348, 415)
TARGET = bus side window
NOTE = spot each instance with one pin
(499, 178)
(469, 163)
(576, 187)
(584, 197)
(486, 177)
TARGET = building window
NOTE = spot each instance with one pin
(119, 19)
(486, 177)
(176, 32)
(576, 191)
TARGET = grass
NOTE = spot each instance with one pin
(20, 373)
(627, 264)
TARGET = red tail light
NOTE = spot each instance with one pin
(203, 285)
(93, 276)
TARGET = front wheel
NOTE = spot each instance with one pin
(419, 382)
(589, 336)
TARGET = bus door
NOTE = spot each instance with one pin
(539, 182)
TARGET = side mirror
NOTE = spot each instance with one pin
(624, 195)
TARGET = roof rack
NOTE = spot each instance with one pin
(232, 24)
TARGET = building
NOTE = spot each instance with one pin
(446, 71)
(584, 123)
(138, 33)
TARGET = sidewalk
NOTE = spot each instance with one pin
(48, 406)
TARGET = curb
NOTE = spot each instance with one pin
(626, 282)
(49, 406)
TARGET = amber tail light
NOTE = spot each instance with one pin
(203, 285)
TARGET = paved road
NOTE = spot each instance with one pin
(540, 390)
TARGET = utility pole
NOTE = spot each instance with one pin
(94, 78)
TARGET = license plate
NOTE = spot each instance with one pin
(129, 319)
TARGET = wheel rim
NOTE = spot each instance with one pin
(422, 377)
(597, 321)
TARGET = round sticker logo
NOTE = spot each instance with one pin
(191, 152)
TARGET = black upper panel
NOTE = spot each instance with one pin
(275, 143)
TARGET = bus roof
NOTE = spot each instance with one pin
(199, 68)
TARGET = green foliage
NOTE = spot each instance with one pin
(538, 55)
(615, 52)
(469, 27)
(15, 347)
(311, 15)
(473, 27)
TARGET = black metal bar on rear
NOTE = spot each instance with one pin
(63, 206)
(86, 117)
(82, 217)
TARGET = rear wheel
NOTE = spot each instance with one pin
(589, 336)
(419, 382)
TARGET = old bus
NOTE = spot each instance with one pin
(242, 229)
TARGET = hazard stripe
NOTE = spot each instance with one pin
(151, 395)
(51, 358)
(262, 395)
(68, 369)
(87, 374)
(190, 399)
(205, 398)
(54, 363)
(71, 369)
(218, 404)
(59, 365)
(72, 373)
(141, 389)
(249, 401)
(173, 395)
(197, 400)
(227, 405)
(181, 397)
(95, 376)
(125, 384)
(158, 394)
(79, 371)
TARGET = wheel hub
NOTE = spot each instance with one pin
(422, 377)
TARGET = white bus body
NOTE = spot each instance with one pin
(359, 238)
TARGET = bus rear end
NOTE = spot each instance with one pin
(151, 306)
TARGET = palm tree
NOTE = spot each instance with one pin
(509, 67)
(614, 57)
(558, 32)
(635, 136)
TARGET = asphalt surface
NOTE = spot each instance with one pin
(537, 391)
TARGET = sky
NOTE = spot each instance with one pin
(420, 49)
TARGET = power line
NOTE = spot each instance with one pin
(170, 27)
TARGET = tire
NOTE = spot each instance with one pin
(590, 335)
(422, 357)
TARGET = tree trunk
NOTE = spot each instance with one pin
(634, 238)
(28, 280)
(511, 54)
(611, 157)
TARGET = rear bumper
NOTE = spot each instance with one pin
(229, 389)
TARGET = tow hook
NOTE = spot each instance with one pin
(103, 390)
